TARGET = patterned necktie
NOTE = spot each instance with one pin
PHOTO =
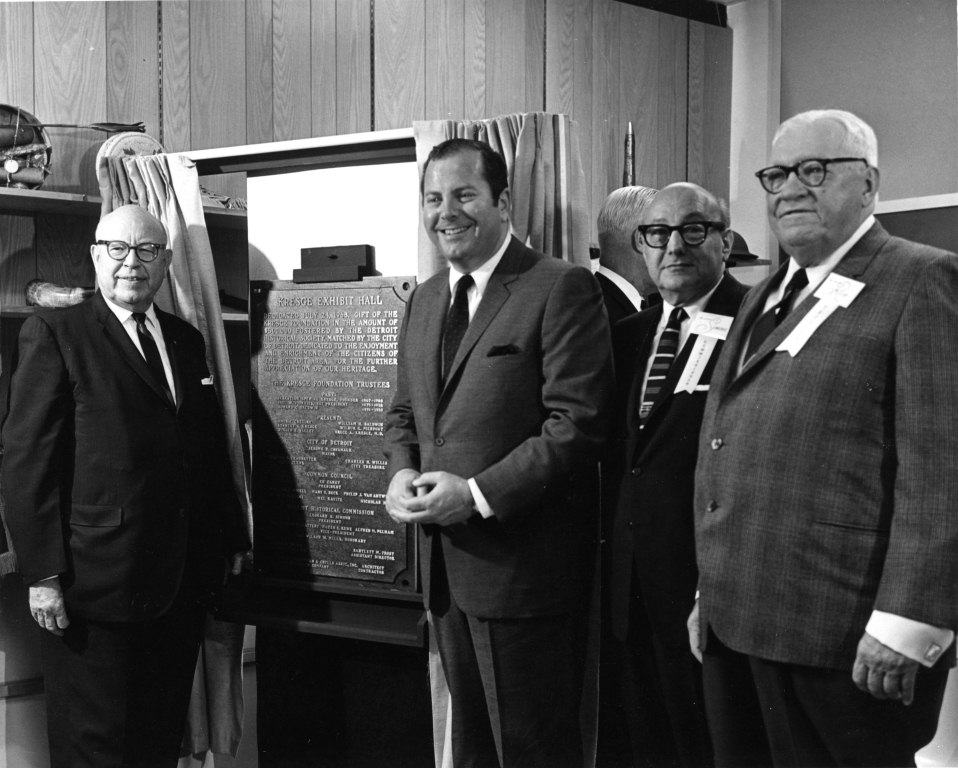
(773, 316)
(151, 352)
(457, 321)
(664, 355)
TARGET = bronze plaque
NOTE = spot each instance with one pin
(324, 372)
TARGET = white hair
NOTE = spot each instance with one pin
(859, 137)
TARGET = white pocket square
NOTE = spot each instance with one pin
(208, 381)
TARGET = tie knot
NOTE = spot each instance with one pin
(140, 318)
(799, 280)
(464, 284)
(676, 317)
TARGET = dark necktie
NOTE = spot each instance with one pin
(151, 352)
(773, 316)
(664, 356)
(457, 321)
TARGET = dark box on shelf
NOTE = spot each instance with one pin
(339, 256)
(338, 273)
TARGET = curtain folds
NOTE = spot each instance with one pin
(168, 187)
(545, 176)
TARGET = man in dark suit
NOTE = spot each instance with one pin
(496, 458)
(622, 274)
(826, 489)
(119, 503)
(664, 357)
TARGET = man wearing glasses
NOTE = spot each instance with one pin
(119, 503)
(664, 357)
(826, 491)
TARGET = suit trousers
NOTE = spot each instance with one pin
(118, 693)
(515, 686)
(765, 713)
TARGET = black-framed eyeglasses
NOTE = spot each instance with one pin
(693, 233)
(145, 252)
(810, 172)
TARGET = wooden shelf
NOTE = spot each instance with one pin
(229, 315)
(27, 201)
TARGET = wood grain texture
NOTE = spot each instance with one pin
(603, 156)
(474, 56)
(639, 95)
(695, 152)
(70, 67)
(672, 47)
(560, 55)
(292, 113)
(259, 71)
(217, 74)
(514, 56)
(717, 110)
(353, 68)
(63, 249)
(176, 76)
(18, 259)
(16, 55)
(323, 66)
(444, 73)
(400, 55)
(132, 65)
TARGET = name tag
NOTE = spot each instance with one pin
(711, 325)
(695, 366)
(836, 291)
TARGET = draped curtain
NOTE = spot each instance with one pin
(545, 177)
(168, 187)
(549, 213)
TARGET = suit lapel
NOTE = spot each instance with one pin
(117, 336)
(495, 295)
(432, 334)
(852, 265)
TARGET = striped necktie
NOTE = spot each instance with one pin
(457, 321)
(664, 355)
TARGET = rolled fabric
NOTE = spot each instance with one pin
(27, 178)
(40, 293)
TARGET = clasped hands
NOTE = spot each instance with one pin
(431, 497)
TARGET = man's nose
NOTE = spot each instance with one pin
(131, 259)
(675, 244)
(793, 186)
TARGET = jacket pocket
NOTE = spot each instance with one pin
(96, 515)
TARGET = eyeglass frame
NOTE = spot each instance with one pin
(135, 248)
(641, 230)
(790, 169)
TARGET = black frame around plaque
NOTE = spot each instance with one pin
(323, 371)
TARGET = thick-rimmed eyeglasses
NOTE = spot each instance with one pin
(811, 172)
(118, 250)
(693, 233)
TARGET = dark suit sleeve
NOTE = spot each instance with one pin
(400, 439)
(576, 368)
(36, 450)
(920, 576)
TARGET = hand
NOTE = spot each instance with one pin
(441, 498)
(400, 491)
(884, 673)
(693, 626)
(239, 560)
(47, 607)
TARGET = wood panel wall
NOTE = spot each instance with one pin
(207, 73)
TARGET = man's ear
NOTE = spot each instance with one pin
(727, 241)
(872, 182)
(504, 204)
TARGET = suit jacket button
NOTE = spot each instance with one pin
(440, 441)
(712, 506)
(636, 471)
(717, 443)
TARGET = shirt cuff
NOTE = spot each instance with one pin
(920, 642)
(479, 500)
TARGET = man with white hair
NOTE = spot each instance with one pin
(623, 277)
(826, 491)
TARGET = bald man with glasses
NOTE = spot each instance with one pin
(664, 357)
(826, 490)
(120, 505)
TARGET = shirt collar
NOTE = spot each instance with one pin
(123, 314)
(694, 307)
(482, 273)
(818, 273)
(630, 291)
